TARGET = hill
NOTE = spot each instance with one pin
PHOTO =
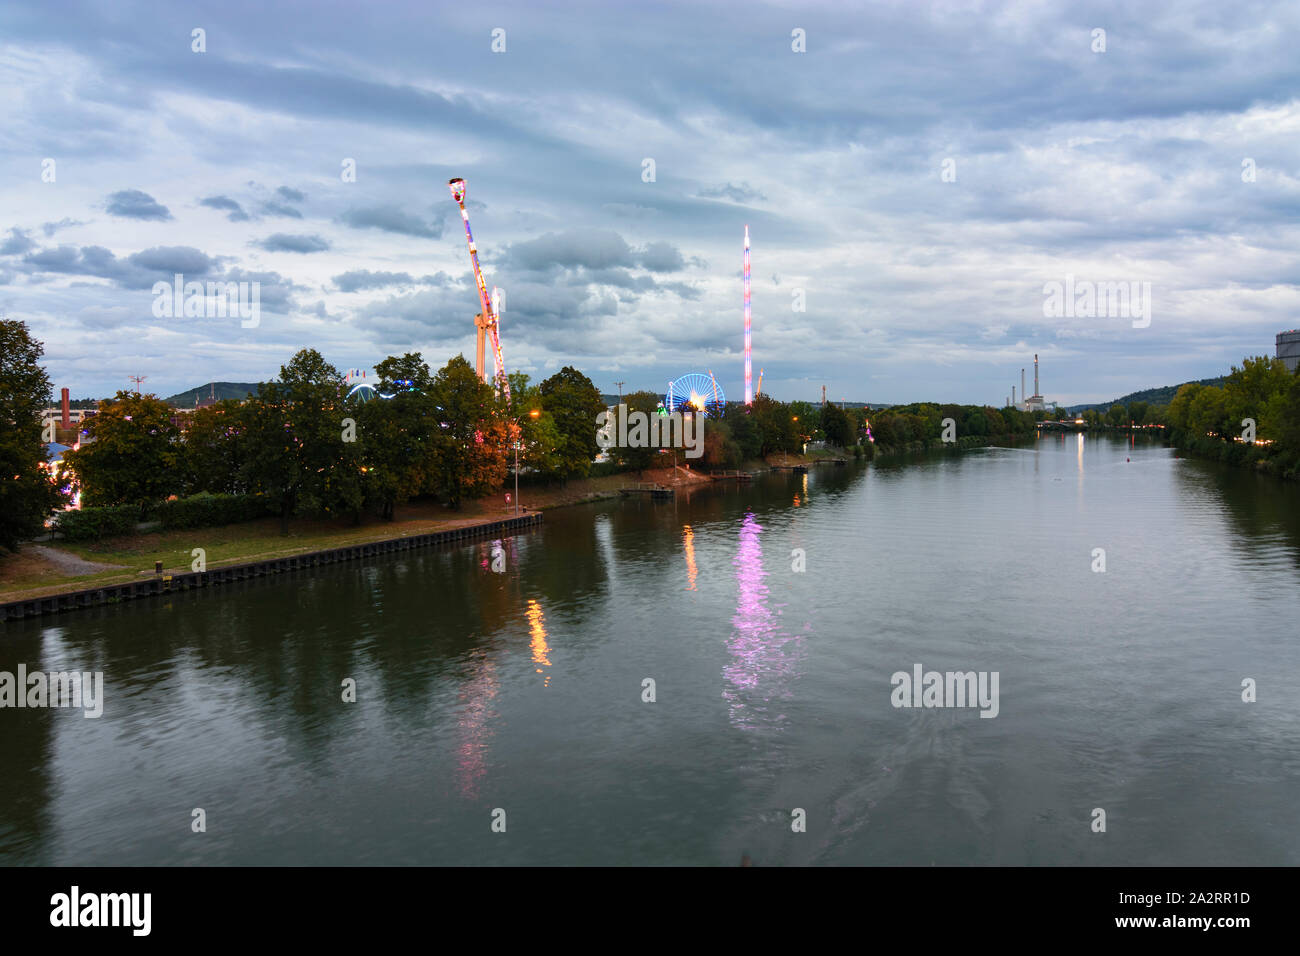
(1153, 396)
(218, 390)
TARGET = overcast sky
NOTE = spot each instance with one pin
(1122, 165)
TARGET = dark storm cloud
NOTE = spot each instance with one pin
(226, 204)
(134, 204)
(283, 242)
(392, 219)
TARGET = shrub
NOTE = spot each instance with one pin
(90, 524)
(205, 510)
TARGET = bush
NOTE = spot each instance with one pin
(206, 511)
(90, 524)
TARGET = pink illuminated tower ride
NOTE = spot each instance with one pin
(487, 321)
(749, 369)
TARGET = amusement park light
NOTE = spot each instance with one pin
(457, 187)
(535, 413)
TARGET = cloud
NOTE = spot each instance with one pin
(662, 257)
(17, 243)
(590, 249)
(359, 279)
(50, 228)
(134, 204)
(283, 242)
(272, 208)
(227, 204)
(392, 219)
(741, 193)
(137, 271)
(291, 195)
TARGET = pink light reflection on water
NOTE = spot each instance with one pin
(765, 659)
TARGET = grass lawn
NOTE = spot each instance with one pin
(29, 574)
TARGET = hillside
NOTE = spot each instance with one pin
(219, 390)
(1153, 396)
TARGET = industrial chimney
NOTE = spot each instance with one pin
(1013, 394)
(1036, 391)
(67, 413)
(1023, 394)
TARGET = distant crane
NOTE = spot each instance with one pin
(486, 321)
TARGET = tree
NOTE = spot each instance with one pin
(642, 455)
(28, 493)
(213, 449)
(1208, 414)
(133, 453)
(399, 436)
(295, 449)
(470, 457)
(1180, 406)
(1255, 391)
(407, 372)
(573, 402)
(836, 426)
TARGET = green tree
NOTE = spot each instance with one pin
(132, 454)
(472, 445)
(28, 493)
(399, 436)
(1208, 414)
(296, 449)
(573, 402)
(641, 455)
(211, 458)
(836, 426)
(1256, 390)
(1180, 406)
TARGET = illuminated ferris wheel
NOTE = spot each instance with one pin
(697, 390)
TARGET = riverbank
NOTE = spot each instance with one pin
(54, 568)
(1257, 458)
(878, 451)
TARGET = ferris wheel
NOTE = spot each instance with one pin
(696, 390)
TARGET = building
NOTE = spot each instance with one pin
(1029, 403)
(1288, 349)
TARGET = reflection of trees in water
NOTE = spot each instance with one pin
(26, 750)
(764, 658)
(1262, 509)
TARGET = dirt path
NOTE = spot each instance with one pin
(69, 564)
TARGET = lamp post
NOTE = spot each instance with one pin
(534, 414)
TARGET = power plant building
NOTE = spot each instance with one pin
(1288, 349)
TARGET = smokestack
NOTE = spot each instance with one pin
(67, 413)
(1023, 393)
(1036, 391)
(1013, 394)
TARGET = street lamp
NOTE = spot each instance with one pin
(534, 413)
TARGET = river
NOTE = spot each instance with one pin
(771, 619)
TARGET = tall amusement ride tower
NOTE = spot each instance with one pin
(749, 369)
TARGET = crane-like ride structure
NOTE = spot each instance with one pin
(486, 322)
